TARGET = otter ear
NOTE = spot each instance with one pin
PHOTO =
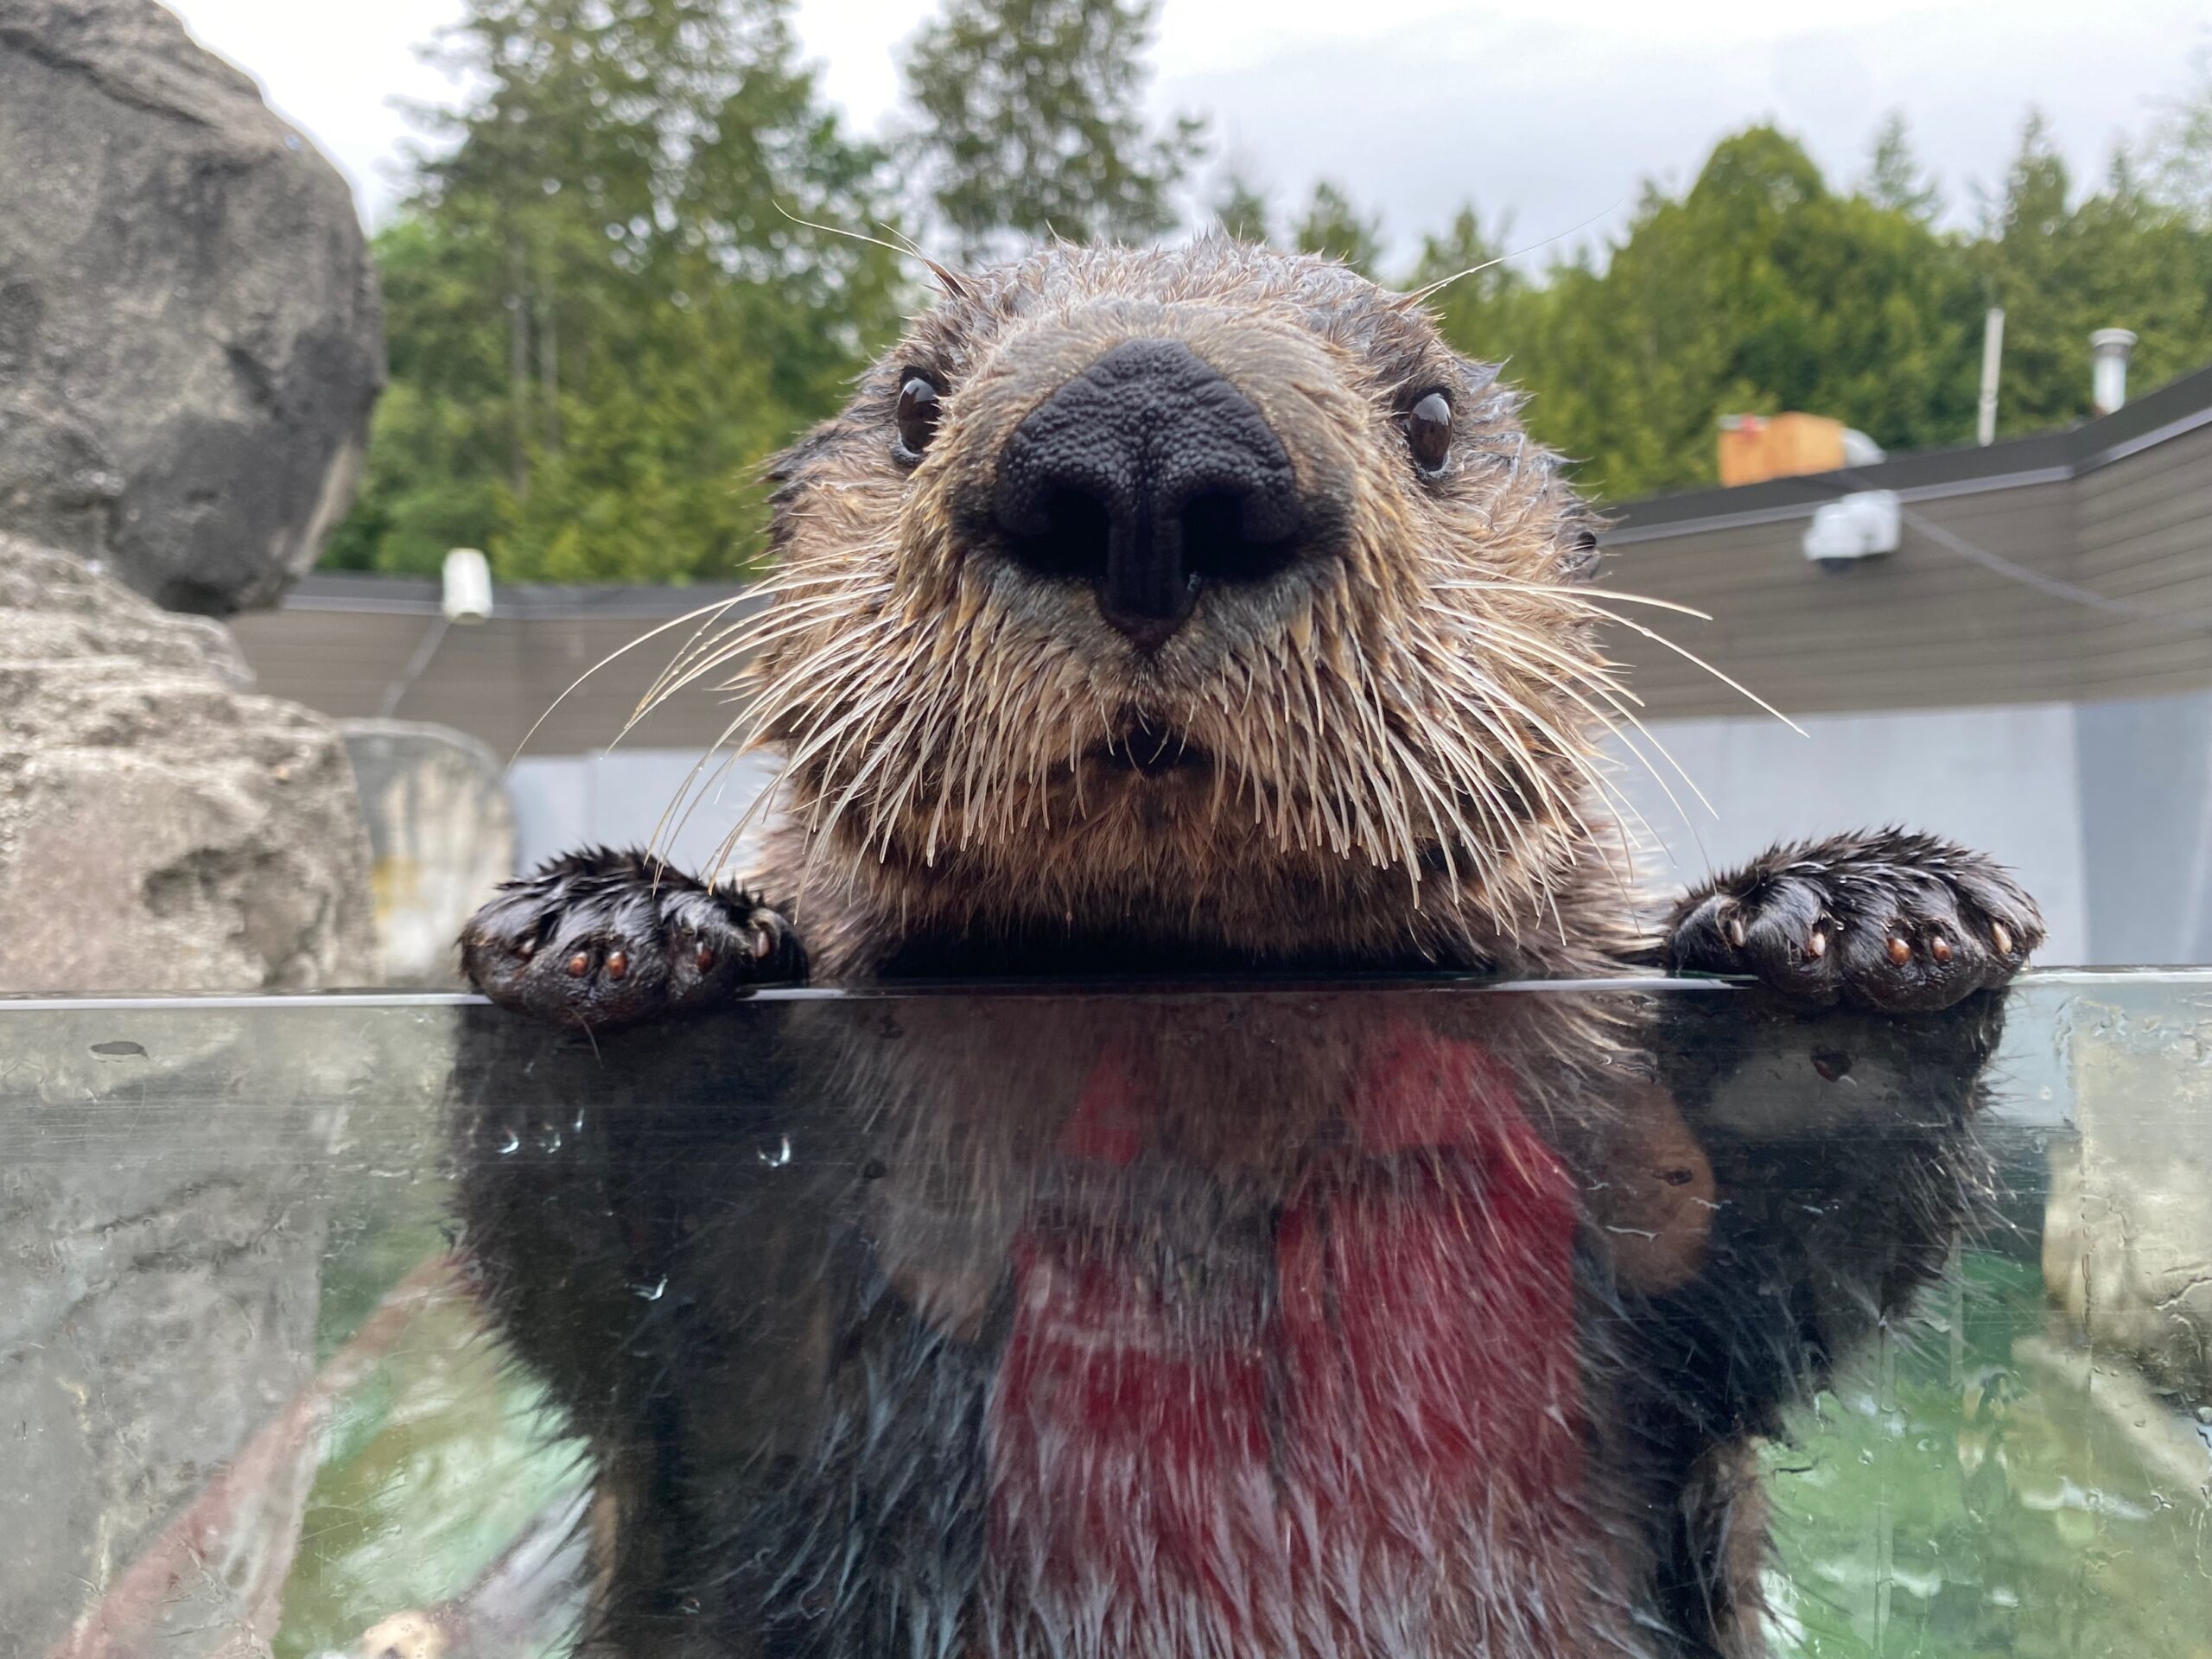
(1579, 551)
(785, 474)
(1475, 378)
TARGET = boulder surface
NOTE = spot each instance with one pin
(162, 827)
(190, 334)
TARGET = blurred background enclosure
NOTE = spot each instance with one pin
(601, 320)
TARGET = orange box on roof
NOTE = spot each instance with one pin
(1755, 447)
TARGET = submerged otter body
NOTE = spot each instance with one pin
(1195, 612)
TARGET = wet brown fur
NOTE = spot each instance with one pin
(1391, 761)
(1399, 738)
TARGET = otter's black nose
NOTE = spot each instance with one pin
(1145, 475)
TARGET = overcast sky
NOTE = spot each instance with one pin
(1553, 112)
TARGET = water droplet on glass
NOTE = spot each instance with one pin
(780, 1156)
(508, 1145)
(651, 1293)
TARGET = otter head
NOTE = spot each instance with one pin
(1200, 596)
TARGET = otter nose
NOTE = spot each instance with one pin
(1145, 475)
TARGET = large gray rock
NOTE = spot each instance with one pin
(161, 828)
(190, 336)
(441, 837)
(163, 1203)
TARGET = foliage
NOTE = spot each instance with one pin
(1242, 209)
(1334, 226)
(1761, 289)
(2181, 147)
(601, 318)
(601, 315)
(1032, 125)
(1893, 177)
(2062, 267)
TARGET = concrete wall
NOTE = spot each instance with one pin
(619, 798)
(2104, 809)
(2003, 779)
(2146, 817)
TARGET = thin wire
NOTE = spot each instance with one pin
(433, 637)
(2058, 588)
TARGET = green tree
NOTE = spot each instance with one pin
(1241, 207)
(1032, 124)
(1334, 226)
(2181, 147)
(601, 316)
(2118, 257)
(1894, 178)
(1759, 290)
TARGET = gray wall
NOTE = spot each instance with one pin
(2002, 779)
(618, 798)
(2104, 809)
(2146, 817)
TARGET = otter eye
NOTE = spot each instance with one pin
(1428, 430)
(920, 403)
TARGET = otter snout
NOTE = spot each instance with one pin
(1147, 475)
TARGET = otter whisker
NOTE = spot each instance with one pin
(1572, 752)
(1614, 699)
(956, 286)
(686, 798)
(1372, 717)
(1642, 760)
(1569, 689)
(1690, 656)
(1572, 595)
(620, 650)
(1545, 784)
(706, 639)
(1408, 301)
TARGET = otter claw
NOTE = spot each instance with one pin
(1889, 921)
(600, 939)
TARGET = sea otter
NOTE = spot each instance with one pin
(1176, 615)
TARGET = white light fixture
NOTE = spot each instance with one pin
(467, 597)
(2109, 349)
(1858, 526)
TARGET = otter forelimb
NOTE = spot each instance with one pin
(601, 938)
(1886, 920)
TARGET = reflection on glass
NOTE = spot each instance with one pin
(1391, 1320)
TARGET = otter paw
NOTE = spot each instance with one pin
(1890, 920)
(603, 938)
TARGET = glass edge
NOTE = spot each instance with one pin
(1642, 984)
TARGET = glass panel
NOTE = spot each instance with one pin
(1406, 1320)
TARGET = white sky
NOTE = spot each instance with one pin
(1554, 111)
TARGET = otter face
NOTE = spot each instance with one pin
(1206, 585)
